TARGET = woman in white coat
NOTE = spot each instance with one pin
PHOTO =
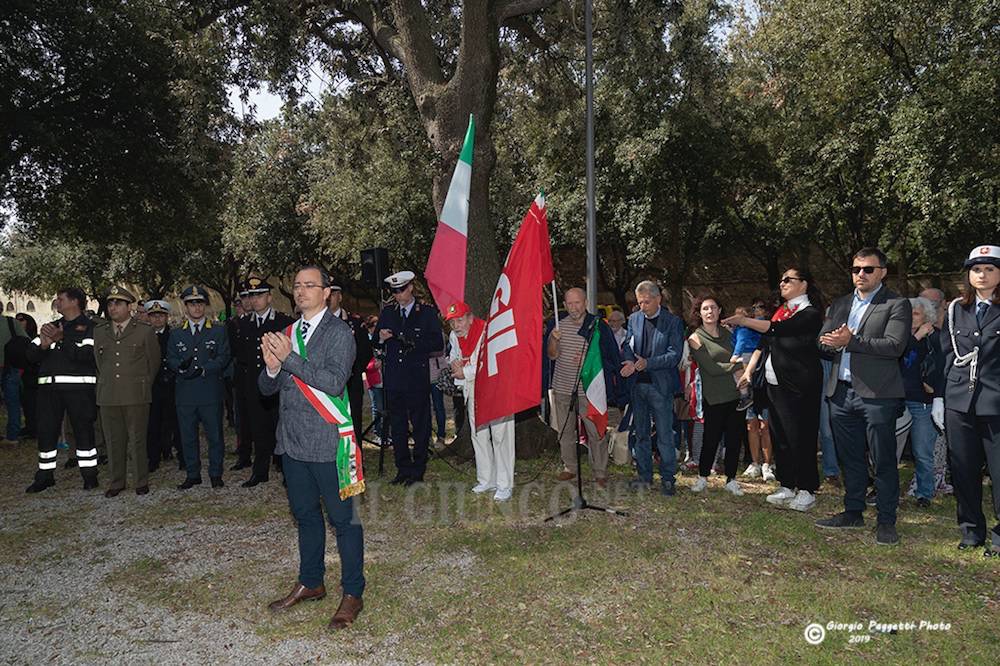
(494, 445)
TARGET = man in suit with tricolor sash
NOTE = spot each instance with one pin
(309, 365)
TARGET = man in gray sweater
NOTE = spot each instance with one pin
(309, 364)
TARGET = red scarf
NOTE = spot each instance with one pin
(784, 312)
(471, 339)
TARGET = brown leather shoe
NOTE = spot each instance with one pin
(299, 593)
(602, 481)
(112, 492)
(348, 612)
(142, 490)
(565, 475)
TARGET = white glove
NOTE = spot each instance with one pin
(937, 413)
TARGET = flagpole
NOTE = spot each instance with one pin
(555, 304)
(591, 214)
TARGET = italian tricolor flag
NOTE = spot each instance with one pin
(445, 271)
(592, 379)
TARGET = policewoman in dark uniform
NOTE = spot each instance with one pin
(198, 352)
(258, 415)
(970, 340)
(162, 434)
(67, 376)
(407, 332)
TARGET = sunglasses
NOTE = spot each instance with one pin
(786, 280)
(867, 270)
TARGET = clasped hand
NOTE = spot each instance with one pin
(837, 338)
(629, 368)
(275, 347)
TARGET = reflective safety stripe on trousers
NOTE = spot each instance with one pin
(67, 379)
(87, 458)
(47, 459)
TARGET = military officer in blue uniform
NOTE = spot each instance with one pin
(970, 340)
(407, 333)
(198, 352)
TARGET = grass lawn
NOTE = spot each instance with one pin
(454, 577)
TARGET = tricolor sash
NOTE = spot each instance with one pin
(335, 410)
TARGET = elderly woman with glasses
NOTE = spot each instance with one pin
(794, 379)
(921, 366)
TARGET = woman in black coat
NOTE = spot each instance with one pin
(29, 381)
(794, 380)
(970, 340)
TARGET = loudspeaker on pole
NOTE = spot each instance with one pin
(374, 266)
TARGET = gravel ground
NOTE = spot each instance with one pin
(80, 575)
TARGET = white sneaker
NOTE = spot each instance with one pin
(767, 472)
(803, 501)
(734, 487)
(481, 488)
(752, 471)
(782, 497)
(699, 485)
(503, 494)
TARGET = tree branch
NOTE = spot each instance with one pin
(385, 35)
(526, 30)
(511, 8)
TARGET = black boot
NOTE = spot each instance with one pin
(42, 481)
(90, 482)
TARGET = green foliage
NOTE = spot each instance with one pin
(881, 122)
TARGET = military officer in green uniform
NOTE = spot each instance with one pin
(128, 357)
(198, 352)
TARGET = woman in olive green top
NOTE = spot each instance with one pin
(712, 348)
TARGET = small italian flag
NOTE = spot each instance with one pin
(445, 272)
(592, 379)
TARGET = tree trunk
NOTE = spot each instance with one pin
(444, 109)
(532, 437)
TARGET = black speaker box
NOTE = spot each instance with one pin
(374, 266)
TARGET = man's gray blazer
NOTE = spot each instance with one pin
(876, 346)
(302, 432)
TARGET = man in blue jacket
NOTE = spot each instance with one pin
(565, 348)
(653, 345)
(198, 352)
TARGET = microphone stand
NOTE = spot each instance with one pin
(580, 503)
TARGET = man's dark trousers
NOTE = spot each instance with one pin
(410, 408)
(857, 420)
(308, 484)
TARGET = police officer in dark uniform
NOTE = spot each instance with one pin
(244, 447)
(408, 332)
(67, 377)
(355, 385)
(258, 415)
(198, 352)
(162, 434)
(970, 340)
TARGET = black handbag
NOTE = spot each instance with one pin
(758, 380)
(15, 352)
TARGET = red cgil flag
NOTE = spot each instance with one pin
(508, 370)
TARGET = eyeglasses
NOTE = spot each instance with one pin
(867, 270)
(784, 280)
(299, 286)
